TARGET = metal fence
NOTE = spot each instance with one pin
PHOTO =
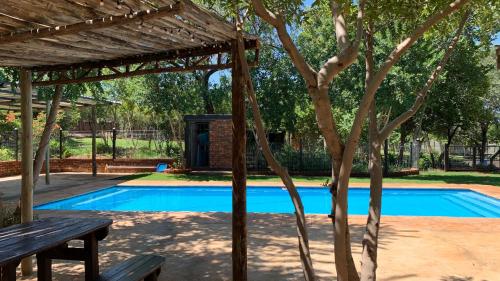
(304, 157)
(316, 158)
(116, 144)
(137, 144)
(469, 157)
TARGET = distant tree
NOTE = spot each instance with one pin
(456, 103)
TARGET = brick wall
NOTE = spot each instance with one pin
(13, 168)
(220, 154)
(10, 168)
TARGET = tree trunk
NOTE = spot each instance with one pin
(402, 141)
(205, 91)
(484, 142)
(431, 153)
(302, 235)
(47, 130)
(370, 238)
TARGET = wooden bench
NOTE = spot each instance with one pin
(144, 267)
(48, 239)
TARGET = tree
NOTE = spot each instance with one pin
(378, 133)
(71, 93)
(456, 103)
(318, 83)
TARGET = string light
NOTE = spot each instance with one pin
(118, 4)
(102, 3)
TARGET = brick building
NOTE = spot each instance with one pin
(208, 141)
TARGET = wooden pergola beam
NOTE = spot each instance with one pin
(140, 65)
(117, 74)
(93, 24)
(223, 47)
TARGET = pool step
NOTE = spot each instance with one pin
(481, 202)
(471, 206)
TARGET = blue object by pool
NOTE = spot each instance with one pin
(160, 168)
(399, 202)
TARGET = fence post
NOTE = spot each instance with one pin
(474, 152)
(16, 133)
(301, 147)
(446, 157)
(114, 143)
(386, 158)
(60, 143)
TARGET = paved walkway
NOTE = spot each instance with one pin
(197, 246)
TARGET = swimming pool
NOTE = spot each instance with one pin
(396, 201)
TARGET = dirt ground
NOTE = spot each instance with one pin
(197, 246)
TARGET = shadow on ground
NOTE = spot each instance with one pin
(197, 246)
(456, 278)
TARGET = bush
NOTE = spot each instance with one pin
(6, 154)
(9, 216)
(424, 162)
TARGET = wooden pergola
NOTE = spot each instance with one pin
(57, 42)
(10, 100)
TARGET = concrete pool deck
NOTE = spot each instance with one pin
(197, 246)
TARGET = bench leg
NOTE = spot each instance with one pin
(91, 257)
(44, 267)
(153, 276)
(8, 272)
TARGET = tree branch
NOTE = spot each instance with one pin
(408, 42)
(340, 25)
(387, 130)
(348, 51)
(279, 24)
(382, 72)
(51, 120)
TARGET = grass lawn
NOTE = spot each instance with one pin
(432, 177)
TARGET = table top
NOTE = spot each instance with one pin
(23, 240)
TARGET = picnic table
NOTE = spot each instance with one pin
(48, 239)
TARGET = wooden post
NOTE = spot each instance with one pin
(47, 152)
(94, 147)
(26, 159)
(239, 219)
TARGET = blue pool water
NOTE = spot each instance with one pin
(399, 202)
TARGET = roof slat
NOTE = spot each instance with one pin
(80, 40)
